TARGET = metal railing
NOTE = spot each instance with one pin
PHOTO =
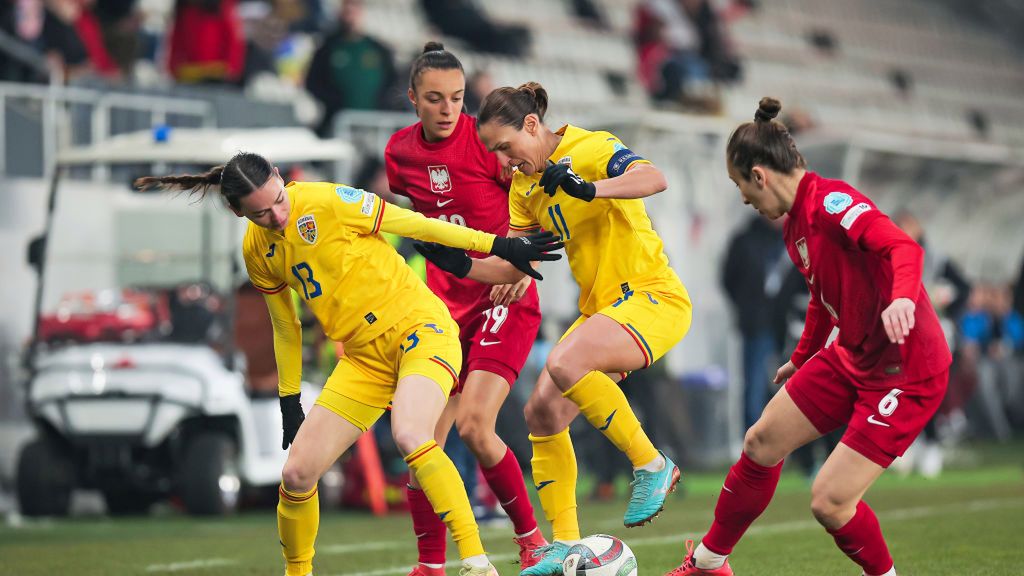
(56, 102)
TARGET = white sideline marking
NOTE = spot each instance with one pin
(792, 526)
(191, 565)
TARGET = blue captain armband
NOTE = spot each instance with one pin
(621, 160)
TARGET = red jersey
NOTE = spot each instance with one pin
(856, 262)
(459, 181)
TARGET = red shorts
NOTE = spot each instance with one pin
(881, 422)
(498, 339)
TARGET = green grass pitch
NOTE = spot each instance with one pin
(966, 522)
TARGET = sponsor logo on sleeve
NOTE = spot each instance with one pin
(853, 214)
(349, 194)
(836, 202)
(368, 201)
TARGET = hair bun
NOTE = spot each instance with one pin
(767, 109)
(433, 47)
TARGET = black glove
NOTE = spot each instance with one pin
(522, 250)
(292, 417)
(556, 175)
(455, 261)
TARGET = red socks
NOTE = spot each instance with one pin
(861, 539)
(430, 530)
(506, 481)
(747, 490)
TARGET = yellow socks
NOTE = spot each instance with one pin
(606, 408)
(298, 517)
(554, 477)
(447, 495)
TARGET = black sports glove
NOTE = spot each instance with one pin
(522, 250)
(556, 175)
(452, 260)
(292, 417)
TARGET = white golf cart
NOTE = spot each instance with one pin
(138, 385)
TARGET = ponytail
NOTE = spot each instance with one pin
(764, 142)
(509, 106)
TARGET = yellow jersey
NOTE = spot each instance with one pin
(333, 255)
(611, 245)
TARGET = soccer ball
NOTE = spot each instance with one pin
(599, 555)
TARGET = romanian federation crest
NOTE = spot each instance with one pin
(801, 247)
(307, 228)
(440, 179)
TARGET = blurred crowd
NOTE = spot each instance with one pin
(320, 49)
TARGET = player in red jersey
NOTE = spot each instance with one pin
(883, 377)
(440, 164)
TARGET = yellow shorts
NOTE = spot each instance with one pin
(425, 343)
(656, 319)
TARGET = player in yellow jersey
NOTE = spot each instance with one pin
(587, 187)
(323, 241)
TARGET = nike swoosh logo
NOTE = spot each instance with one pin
(541, 486)
(442, 515)
(273, 247)
(726, 488)
(872, 420)
(503, 504)
(442, 204)
(489, 342)
(608, 422)
(418, 536)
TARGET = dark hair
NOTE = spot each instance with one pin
(509, 105)
(434, 57)
(243, 174)
(765, 142)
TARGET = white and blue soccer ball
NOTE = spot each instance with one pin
(599, 555)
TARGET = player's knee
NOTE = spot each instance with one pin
(298, 477)
(541, 419)
(409, 438)
(475, 432)
(564, 367)
(827, 506)
(758, 447)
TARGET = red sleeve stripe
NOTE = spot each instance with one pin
(285, 495)
(419, 454)
(380, 216)
(641, 343)
(273, 290)
(446, 366)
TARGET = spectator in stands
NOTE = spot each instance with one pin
(992, 332)
(755, 267)
(715, 46)
(478, 86)
(22, 22)
(60, 41)
(942, 277)
(464, 20)
(588, 13)
(110, 31)
(350, 70)
(1018, 291)
(206, 42)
